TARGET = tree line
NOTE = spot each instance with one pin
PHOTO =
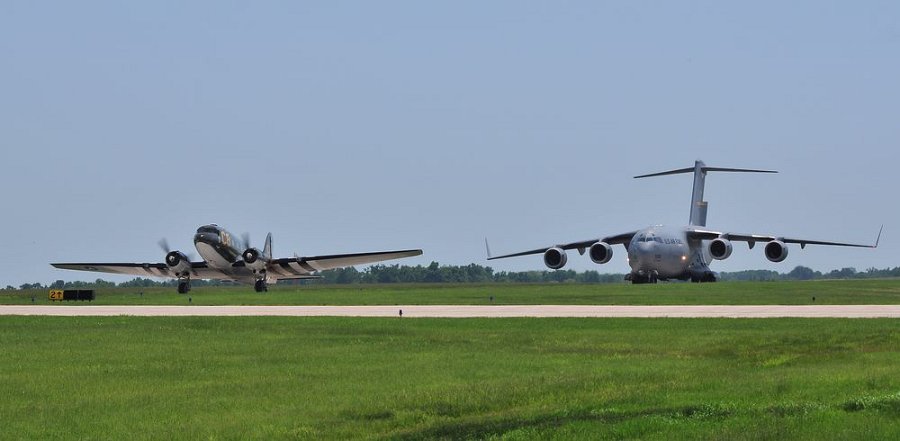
(474, 273)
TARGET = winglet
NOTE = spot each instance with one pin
(878, 239)
(487, 248)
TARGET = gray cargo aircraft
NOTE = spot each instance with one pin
(682, 253)
(228, 258)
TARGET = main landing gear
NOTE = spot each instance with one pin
(261, 286)
(184, 286)
(705, 277)
(642, 277)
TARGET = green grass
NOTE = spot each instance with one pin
(844, 292)
(357, 378)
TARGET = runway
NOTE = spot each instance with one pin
(467, 311)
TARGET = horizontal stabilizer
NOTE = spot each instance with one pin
(705, 169)
(698, 205)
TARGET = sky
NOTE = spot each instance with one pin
(360, 126)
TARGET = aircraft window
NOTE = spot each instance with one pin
(208, 230)
(658, 239)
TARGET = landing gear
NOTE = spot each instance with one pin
(705, 277)
(641, 278)
(184, 286)
(261, 286)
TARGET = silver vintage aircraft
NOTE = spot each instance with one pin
(228, 258)
(684, 253)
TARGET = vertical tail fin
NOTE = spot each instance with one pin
(698, 205)
(267, 250)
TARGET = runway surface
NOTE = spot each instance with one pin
(467, 311)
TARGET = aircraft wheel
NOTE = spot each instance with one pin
(637, 279)
(183, 287)
(708, 277)
(260, 286)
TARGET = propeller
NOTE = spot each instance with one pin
(246, 238)
(164, 244)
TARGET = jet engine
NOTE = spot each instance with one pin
(720, 248)
(601, 252)
(254, 259)
(178, 262)
(555, 258)
(776, 251)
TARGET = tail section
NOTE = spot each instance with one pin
(267, 250)
(698, 205)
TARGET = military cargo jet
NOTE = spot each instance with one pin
(226, 257)
(681, 253)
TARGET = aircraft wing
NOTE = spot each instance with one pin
(299, 267)
(623, 239)
(751, 239)
(199, 270)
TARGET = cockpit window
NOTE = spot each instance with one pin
(208, 229)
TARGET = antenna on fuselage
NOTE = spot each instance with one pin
(698, 205)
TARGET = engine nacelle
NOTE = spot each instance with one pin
(254, 259)
(720, 248)
(555, 258)
(776, 251)
(178, 262)
(600, 253)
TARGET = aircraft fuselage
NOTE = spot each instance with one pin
(663, 253)
(219, 248)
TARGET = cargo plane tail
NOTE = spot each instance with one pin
(698, 205)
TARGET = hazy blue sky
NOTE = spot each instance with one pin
(358, 126)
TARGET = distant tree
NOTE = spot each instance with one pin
(843, 273)
(347, 275)
(590, 276)
(802, 273)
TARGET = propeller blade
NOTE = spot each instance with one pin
(164, 244)
(246, 238)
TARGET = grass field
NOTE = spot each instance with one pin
(845, 292)
(339, 378)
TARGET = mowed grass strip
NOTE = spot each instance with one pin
(836, 292)
(356, 378)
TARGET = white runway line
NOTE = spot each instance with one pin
(469, 311)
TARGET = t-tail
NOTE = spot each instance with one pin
(698, 205)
